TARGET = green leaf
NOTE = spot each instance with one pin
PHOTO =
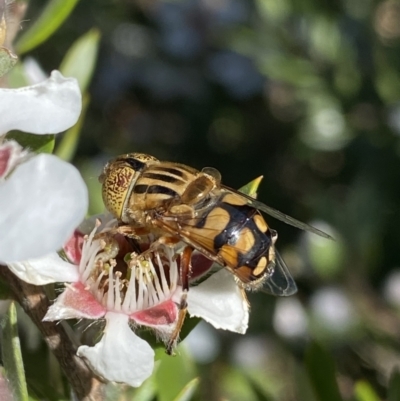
(321, 371)
(53, 15)
(147, 391)
(5, 292)
(16, 78)
(80, 60)
(7, 60)
(12, 357)
(188, 326)
(252, 187)
(363, 391)
(236, 386)
(35, 143)
(69, 142)
(173, 374)
(188, 391)
(304, 390)
(260, 393)
(326, 257)
(394, 386)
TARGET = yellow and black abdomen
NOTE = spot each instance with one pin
(239, 237)
(244, 246)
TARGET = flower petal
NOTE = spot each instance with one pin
(75, 303)
(164, 314)
(121, 355)
(220, 302)
(40, 205)
(49, 107)
(73, 247)
(41, 271)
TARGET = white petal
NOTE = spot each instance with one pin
(220, 302)
(76, 302)
(49, 107)
(40, 205)
(41, 271)
(121, 355)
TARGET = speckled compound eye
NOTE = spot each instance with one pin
(118, 179)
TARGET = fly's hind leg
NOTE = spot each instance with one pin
(185, 269)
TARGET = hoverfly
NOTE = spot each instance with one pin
(181, 204)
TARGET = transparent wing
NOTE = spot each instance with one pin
(279, 215)
(281, 282)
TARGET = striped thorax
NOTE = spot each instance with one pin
(138, 186)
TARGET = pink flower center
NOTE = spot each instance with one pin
(123, 281)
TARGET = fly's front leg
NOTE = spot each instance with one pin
(126, 230)
(153, 247)
(185, 269)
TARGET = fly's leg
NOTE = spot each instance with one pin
(167, 241)
(185, 269)
(126, 230)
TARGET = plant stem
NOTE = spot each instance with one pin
(35, 303)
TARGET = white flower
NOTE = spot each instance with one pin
(109, 281)
(42, 198)
(49, 107)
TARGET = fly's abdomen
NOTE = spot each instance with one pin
(245, 244)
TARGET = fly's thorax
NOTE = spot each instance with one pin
(161, 186)
(119, 177)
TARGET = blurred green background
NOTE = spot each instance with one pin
(305, 93)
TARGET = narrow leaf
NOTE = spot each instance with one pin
(321, 370)
(5, 292)
(188, 391)
(304, 390)
(80, 60)
(394, 386)
(53, 15)
(363, 391)
(34, 143)
(7, 60)
(147, 391)
(12, 357)
(173, 374)
(252, 187)
(259, 390)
